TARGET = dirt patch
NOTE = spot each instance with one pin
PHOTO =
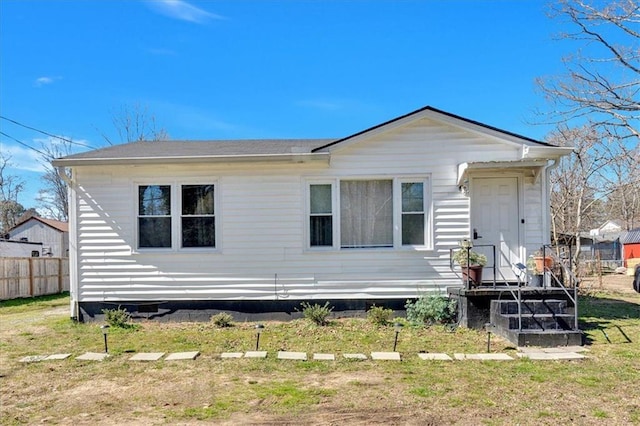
(617, 283)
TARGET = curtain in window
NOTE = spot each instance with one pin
(366, 213)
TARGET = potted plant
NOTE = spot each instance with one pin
(471, 263)
(542, 261)
(535, 272)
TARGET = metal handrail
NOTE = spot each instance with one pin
(572, 278)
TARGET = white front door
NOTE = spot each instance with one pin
(495, 220)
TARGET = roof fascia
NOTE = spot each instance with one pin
(119, 161)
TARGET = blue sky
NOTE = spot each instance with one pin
(266, 69)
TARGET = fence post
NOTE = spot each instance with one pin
(31, 277)
(59, 275)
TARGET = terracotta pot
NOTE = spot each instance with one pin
(543, 263)
(474, 274)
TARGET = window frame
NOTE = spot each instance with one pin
(397, 182)
(334, 206)
(176, 216)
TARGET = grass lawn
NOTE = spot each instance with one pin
(603, 389)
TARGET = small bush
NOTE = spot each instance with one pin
(379, 315)
(222, 319)
(315, 313)
(117, 318)
(432, 309)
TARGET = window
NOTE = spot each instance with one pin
(320, 215)
(369, 213)
(176, 216)
(366, 213)
(154, 216)
(198, 216)
(412, 213)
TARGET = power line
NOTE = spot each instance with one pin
(24, 144)
(46, 133)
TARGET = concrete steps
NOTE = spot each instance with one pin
(544, 322)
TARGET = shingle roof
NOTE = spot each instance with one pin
(56, 224)
(175, 150)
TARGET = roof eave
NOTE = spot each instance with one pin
(118, 161)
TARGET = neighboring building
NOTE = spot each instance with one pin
(53, 234)
(367, 218)
(631, 246)
(605, 241)
(12, 248)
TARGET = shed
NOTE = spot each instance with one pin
(53, 234)
(631, 246)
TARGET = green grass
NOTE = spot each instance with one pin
(602, 389)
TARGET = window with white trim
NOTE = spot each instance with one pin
(172, 216)
(369, 213)
(320, 215)
(154, 216)
(198, 221)
(366, 213)
(413, 213)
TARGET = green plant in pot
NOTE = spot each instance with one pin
(535, 272)
(471, 263)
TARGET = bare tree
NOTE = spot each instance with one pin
(602, 81)
(621, 180)
(575, 184)
(134, 123)
(10, 187)
(53, 197)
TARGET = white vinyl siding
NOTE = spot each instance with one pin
(262, 218)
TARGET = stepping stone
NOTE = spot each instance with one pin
(385, 356)
(147, 356)
(355, 356)
(255, 354)
(483, 357)
(55, 357)
(93, 356)
(297, 356)
(434, 357)
(33, 358)
(182, 356)
(324, 357)
(538, 356)
(225, 355)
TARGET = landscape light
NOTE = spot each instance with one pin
(259, 328)
(397, 327)
(488, 326)
(105, 331)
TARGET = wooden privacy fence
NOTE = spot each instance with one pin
(33, 276)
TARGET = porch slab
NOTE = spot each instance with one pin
(434, 357)
(255, 354)
(182, 356)
(385, 356)
(93, 356)
(355, 356)
(296, 356)
(324, 357)
(147, 356)
(483, 357)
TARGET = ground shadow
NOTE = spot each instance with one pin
(599, 313)
(29, 300)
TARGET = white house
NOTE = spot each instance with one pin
(369, 217)
(53, 234)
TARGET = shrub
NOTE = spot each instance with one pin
(379, 315)
(316, 313)
(222, 319)
(431, 309)
(117, 318)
